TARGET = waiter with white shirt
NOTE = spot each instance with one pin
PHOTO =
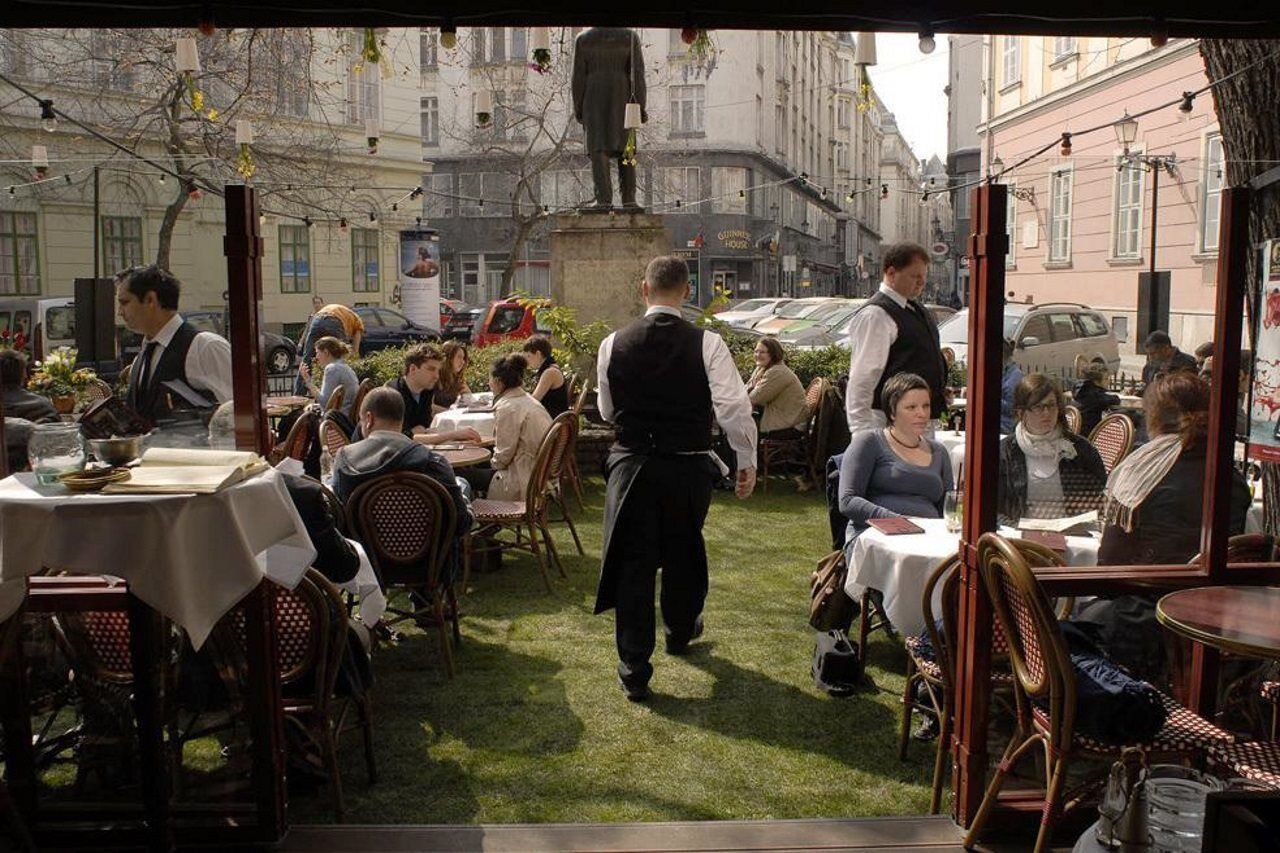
(893, 333)
(180, 369)
(662, 383)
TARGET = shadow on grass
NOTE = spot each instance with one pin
(748, 705)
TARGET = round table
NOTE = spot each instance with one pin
(466, 457)
(1240, 619)
(454, 419)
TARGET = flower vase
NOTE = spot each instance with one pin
(64, 404)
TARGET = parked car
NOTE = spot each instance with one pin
(459, 320)
(831, 330)
(386, 327)
(797, 310)
(507, 319)
(43, 324)
(279, 354)
(750, 311)
(817, 317)
(941, 313)
(1056, 338)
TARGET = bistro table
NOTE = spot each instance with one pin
(953, 442)
(899, 566)
(278, 407)
(482, 421)
(1244, 620)
(465, 457)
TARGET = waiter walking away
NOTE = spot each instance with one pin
(663, 381)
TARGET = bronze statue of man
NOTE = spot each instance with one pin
(608, 72)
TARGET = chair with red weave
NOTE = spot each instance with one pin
(556, 475)
(1074, 419)
(332, 436)
(311, 644)
(366, 385)
(570, 475)
(295, 443)
(494, 517)
(1113, 437)
(1044, 691)
(406, 522)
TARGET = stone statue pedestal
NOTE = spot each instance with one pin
(598, 261)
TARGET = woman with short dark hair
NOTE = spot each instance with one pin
(777, 392)
(897, 470)
(550, 387)
(1046, 470)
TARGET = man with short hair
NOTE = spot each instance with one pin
(663, 382)
(1163, 357)
(416, 388)
(387, 450)
(893, 333)
(18, 401)
(180, 369)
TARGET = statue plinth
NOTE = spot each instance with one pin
(598, 262)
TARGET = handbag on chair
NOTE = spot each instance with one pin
(830, 607)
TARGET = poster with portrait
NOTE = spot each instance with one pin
(1264, 414)
(420, 277)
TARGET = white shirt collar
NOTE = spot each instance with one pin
(662, 309)
(893, 294)
(166, 333)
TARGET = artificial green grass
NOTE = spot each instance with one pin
(535, 729)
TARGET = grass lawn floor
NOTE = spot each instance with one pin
(534, 727)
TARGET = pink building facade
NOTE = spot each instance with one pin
(1080, 222)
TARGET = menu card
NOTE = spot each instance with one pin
(1048, 538)
(1082, 523)
(180, 471)
(895, 526)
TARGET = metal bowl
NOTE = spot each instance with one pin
(117, 451)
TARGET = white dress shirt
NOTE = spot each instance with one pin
(728, 393)
(871, 332)
(208, 365)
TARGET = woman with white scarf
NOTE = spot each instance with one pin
(1046, 471)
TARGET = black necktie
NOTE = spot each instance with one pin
(144, 377)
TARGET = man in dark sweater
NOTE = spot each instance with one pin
(387, 450)
(893, 333)
(1163, 357)
(417, 389)
(18, 401)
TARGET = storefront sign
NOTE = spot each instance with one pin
(1264, 415)
(735, 238)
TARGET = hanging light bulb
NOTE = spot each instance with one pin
(395, 206)
(342, 223)
(194, 193)
(927, 42)
(448, 35)
(742, 193)
(186, 56)
(306, 220)
(162, 177)
(373, 217)
(884, 191)
(924, 197)
(371, 134)
(484, 107)
(48, 118)
(262, 220)
(40, 161)
(1066, 145)
(865, 50)
(1188, 104)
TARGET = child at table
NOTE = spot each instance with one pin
(1092, 398)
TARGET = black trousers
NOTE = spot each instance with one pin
(660, 526)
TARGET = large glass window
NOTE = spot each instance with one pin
(1063, 47)
(1060, 216)
(678, 184)
(19, 254)
(366, 273)
(295, 259)
(1011, 57)
(1211, 199)
(687, 104)
(728, 187)
(430, 112)
(364, 82)
(121, 242)
(1128, 211)
(428, 43)
(438, 196)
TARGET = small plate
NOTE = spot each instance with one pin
(93, 479)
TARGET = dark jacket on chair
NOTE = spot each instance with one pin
(1083, 479)
(1093, 402)
(335, 558)
(21, 403)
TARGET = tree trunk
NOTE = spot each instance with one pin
(1250, 126)
(173, 111)
(524, 227)
(164, 241)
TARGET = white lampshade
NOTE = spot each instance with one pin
(865, 51)
(371, 129)
(244, 132)
(540, 38)
(632, 120)
(484, 101)
(1126, 130)
(39, 156)
(186, 56)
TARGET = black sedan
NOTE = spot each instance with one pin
(459, 320)
(387, 327)
(279, 353)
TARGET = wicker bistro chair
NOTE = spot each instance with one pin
(557, 474)
(362, 390)
(492, 517)
(335, 399)
(312, 636)
(1113, 437)
(295, 443)
(96, 390)
(570, 476)
(406, 521)
(1074, 418)
(1043, 676)
(794, 450)
(332, 438)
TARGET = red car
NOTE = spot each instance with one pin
(507, 319)
(459, 320)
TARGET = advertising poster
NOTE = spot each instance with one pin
(1264, 416)
(420, 277)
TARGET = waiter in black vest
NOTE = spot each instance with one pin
(663, 382)
(180, 369)
(893, 333)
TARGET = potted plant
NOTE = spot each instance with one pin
(58, 379)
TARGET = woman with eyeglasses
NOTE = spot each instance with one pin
(1046, 471)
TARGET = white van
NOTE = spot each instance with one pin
(44, 323)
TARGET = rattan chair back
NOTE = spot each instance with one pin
(406, 522)
(1113, 437)
(550, 458)
(362, 391)
(335, 399)
(1074, 418)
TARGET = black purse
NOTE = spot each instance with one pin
(837, 664)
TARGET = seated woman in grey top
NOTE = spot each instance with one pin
(330, 353)
(897, 470)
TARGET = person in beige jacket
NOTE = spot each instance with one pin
(775, 388)
(520, 425)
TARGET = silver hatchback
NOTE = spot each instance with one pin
(1058, 338)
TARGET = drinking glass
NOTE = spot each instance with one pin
(55, 449)
(953, 510)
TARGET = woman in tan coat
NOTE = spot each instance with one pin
(520, 424)
(776, 389)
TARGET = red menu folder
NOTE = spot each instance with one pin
(895, 526)
(1048, 538)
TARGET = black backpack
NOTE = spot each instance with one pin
(837, 664)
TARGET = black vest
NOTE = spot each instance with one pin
(916, 349)
(659, 387)
(156, 401)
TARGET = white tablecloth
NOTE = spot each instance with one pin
(191, 557)
(954, 443)
(365, 586)
(899, 566)
(451, 419)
